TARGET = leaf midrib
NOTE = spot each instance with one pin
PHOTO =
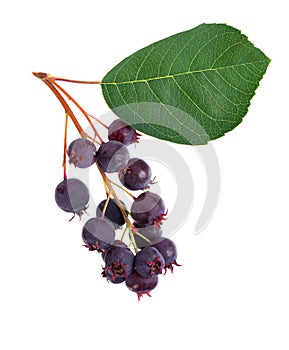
(171, 76)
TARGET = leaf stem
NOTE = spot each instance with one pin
(73, 80)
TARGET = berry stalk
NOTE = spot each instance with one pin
(65, 105)
(86, 115)
(50, 81)
(105, 206)
(119, 204)
(65, 146)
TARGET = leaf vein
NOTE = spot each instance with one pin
(193, 102)
(231, 85)
(182, 73)
(143, 61)
(171, 114)
(241, 76)
(134, 112)
(221, 93)
(205, 44)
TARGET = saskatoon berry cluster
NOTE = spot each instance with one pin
(153, 254)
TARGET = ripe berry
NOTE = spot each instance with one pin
(136, 175)
(148, 209)
(82, 153)
(115, 243)
(112, 213)
(119, 243)
(168, 250)
(72, 196)
(112, 156)
(112, 277)
(149, 262)
(120, 131)
(141, 285)
(118, 262)
(98, 234)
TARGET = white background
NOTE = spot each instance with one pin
(232, 290)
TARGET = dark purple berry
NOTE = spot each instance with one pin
(149, 232)
(72, 196)
(119, 243)
(112, 277)
(112, 212)
(136, 175)
(119, 262)
(120, 131)
(168, 250)
(149, 262)
(98, 234)
(112, 156)
(148, 209)
(82, 153)
(141, 285)
(115, 243)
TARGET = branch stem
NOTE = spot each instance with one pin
(50, 81)
(66, 107)
(65, 146)
(86, 115)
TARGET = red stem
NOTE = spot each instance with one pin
(66, 107)
(65, 147)
(87, 116)
(100, 122)
(54, 87)
(73, 81)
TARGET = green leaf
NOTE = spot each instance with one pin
(189, 88)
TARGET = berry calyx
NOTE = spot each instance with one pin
(168, 250)
(112, 278)
(149, 262)
(118, 262)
